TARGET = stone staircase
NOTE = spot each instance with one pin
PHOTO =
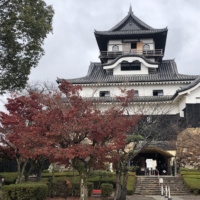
(149, 185)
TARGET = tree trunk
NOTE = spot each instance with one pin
(124, 186)
(20, 170)
(83, 186)
(118, 185)
(26, 177)
(39, 174)
(53, 172)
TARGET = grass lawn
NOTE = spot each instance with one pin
(191, 180)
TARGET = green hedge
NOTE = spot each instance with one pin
(189, 173)
(191, 178)
(131, 183)
(59, 174)
(106, 189)
(59, 188)
(25, 191)
(188, 170)
(193, 184)
(9, 177)
(95, 180)
(101, 173)
(76, 188)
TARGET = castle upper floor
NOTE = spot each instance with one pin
(131, 36)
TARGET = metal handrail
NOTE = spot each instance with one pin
(113, 54)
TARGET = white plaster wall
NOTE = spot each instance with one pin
(117, 70)
(145, 90)
(151, 59)
(182, 103)
(191, 96)
(119, 43)
(146, 41)
(111, 43)
(150, 42)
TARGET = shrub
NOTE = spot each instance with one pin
(190, 173)
(106, 189)
(192, 183)
(189, 170)
(59, 174)
(46, 171)
(98, 181)
(9, 177)
(59, 188)
(76, 188)
(30, 191)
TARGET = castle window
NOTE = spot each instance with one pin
(104, 93)
(149, 119)
(157, 92)
(136, 93)
(126, 66)
(115, 48)
(133, 45)
(146, 47)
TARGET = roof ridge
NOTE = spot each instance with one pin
(130, 55)
(135, 19)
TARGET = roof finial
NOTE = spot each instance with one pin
(130, 10)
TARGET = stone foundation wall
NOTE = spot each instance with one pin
(188, 148)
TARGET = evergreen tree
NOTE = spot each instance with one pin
(24, 24)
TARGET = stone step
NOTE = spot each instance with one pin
(150, 185)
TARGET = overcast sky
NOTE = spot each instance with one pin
(72, 46)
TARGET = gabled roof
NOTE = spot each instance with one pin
(130, 25)
(131, 28)
(167, 71)
(130, 22)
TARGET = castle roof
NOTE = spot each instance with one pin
(130, 25)
(130, 28)
(167, 71)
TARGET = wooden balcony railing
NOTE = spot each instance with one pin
(114, 54)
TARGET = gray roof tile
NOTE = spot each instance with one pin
(135, 99)
(167, 71)
(130, 32)
(130, 25)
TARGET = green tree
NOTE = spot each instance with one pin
(24, 24)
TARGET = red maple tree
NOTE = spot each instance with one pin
(67, 129)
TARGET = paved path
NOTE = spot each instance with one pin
(157, 197)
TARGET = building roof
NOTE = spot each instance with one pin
(130, 25)
(130, 55)
(167, 71)
(131, 28)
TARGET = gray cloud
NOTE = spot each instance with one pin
(72, 46)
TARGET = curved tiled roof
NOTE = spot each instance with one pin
(135, 99)
(130, 25)
(130, 32)
(134, 18)
(167, 71)
(130, 55)
(189, 86)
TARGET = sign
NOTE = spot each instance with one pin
(149, 163)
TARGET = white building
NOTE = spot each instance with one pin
(131, 55)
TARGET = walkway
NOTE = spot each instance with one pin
(157, 197)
